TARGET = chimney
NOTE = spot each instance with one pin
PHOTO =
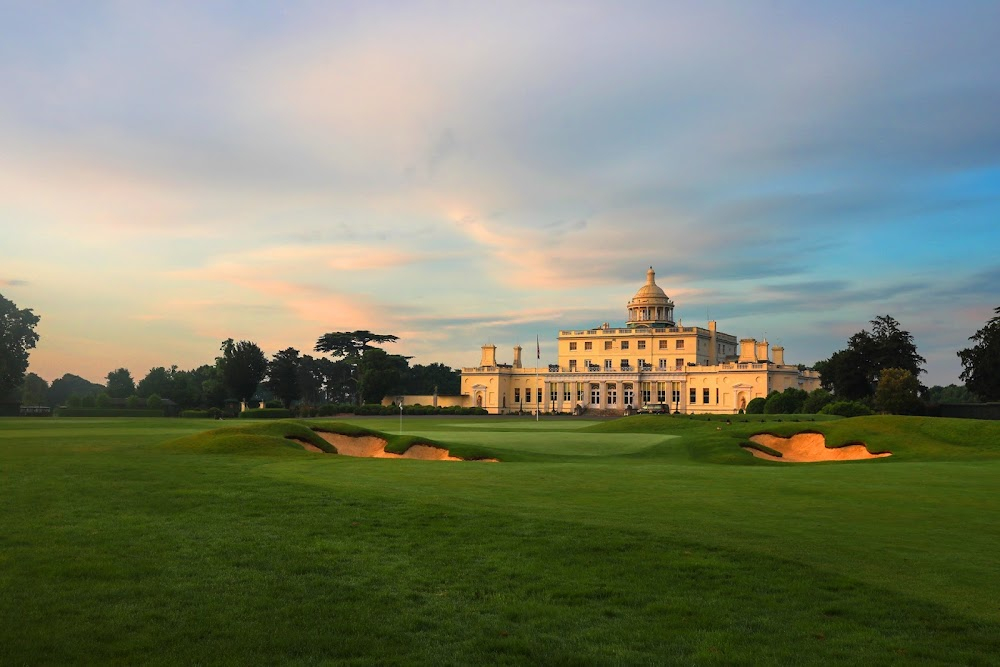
(489, 357)
(748, 351)
(762, 351)
(778, 355)
(517, 356)
(713, 347)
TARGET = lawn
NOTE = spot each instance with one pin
(647, 540)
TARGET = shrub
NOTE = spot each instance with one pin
(107, 412)
(846, 409)
(756, 406)
(787, 402)
(133, 402)
(103, 400)
(195, 414)
(818, 399)
(154, 402)
(274, 404)
(88, 401)
(266, 413)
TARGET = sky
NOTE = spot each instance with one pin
(460, 173)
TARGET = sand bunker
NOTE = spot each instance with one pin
(809, 448)
(374, 448)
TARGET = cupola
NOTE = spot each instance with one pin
(650, 307)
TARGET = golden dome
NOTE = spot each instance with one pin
(650, 307)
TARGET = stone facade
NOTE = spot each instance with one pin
(609, 370)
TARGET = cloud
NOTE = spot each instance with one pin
(15, 282)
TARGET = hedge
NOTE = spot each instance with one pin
(212, 413)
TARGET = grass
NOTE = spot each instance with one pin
(647, 540)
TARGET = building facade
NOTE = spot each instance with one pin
(651, 360)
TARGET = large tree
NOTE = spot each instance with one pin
(379, 375)
(425, 380)
(283, 376)
(158, 381)
(981, 362)
(853, 373)
(34, 390)
(898, 392)
(350, 347)
(17, 337)
(243, 366)
(71, 385)
(120, 383)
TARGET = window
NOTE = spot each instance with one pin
(579, 391)
(693, 398)
(679, 364)
(646, 398)
(675, 392)
(538, 395)
(572, 364)
(704, 395)
(663, 344)
(607, 364)
(587, 345)
(640, 344)
(567, 392)
(629, 394)
(661, 392)
(607, 345)
(680, 345)
(572, 345)
(612, 394)
(663, 364)
(553, 393)
(595, 394)
(624, 344)
(517, 394)
(716, 394)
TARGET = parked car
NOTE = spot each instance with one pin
(655, 409)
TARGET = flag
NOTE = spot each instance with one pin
(538, 348)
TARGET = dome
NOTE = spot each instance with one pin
(650, 307)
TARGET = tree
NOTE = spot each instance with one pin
(350, 347)
(158, 381)
(853, 374)
(898, 392)
(818, 399)
(103, 400)
(950, 394)
(34, 390)
(787, 402)
(283, 376)
(424, 380)
(243, 366)
(17, 337)
(756, 406)
(379, 374)
(69, 385)
(981, 362)
(120, 383)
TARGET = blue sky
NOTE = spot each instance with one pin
(174, 174)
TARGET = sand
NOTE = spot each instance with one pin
(371, 447)
(809, 448)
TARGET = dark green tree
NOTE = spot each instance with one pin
(950, 394)
(981, 362)
(34, 390)
(756, 406)
(158, 381)
(120, 383)
(818, 399)
(898, 392)
(379, 374)
(283, 376)
(17, 337)
(788, 402)
(69, 385)
(350, 347)
(424, 380)
(853, 374)
(103, 400)
(243, 366)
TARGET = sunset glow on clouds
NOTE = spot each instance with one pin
(455, 174)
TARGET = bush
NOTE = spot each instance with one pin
(73, 401)
(846, 409)
(133, 402)
(266, 413)
(103, 400)
(274, 404)
(88, 401)
(787, 402)
(196, 414)
(818, 399)
(154, 402)
(756, 406)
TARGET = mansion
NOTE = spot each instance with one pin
(651, 360)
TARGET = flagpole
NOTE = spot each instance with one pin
(538, 360)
